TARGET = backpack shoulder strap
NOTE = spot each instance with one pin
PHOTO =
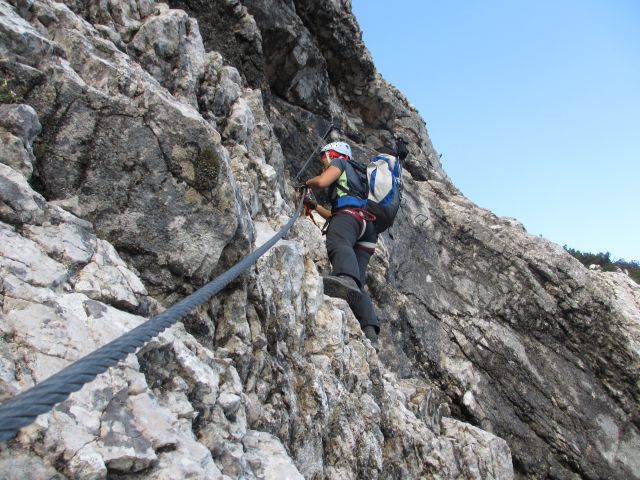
(361, 171)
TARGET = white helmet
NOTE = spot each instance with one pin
(340, 147)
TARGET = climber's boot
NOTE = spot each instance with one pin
(342, 286)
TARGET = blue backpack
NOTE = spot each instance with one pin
(384, 179)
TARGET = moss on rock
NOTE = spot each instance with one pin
(207, 169)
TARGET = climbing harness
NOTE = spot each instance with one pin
(23, 409)
(363, 216)
(360, 213)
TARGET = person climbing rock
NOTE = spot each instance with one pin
(351, 234)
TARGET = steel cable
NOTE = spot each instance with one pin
(23, 409)
(304, 165)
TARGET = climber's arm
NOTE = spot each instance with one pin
(326, 178)
(324, 212)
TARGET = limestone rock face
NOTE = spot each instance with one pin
(523, 339)
(150, 146)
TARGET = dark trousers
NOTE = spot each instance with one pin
(349, 250)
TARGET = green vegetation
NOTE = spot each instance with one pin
(7, 95)
(605, 262)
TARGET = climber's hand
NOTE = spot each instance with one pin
(309, 199)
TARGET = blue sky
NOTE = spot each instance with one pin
(533, 104)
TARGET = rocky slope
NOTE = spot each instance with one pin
(146, 147)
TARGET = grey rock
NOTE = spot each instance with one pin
(24, 259)
(268, 457)
(20, 39)
(19, 203)
(483, 454)
(230, 403)
(18, 465)
(83, 152)
(125, 448)
(107, 278)
(167, 147)
(228, 90)
(240, 122)
(22, 121)
(293, 62)
(68, 242)
(169, 47)
(14, 154)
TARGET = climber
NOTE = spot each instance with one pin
(351, 233)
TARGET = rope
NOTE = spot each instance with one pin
(331, 127)
(23, 409)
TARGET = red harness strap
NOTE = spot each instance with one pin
(363, 216)
(359, 213)
(308, 213)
